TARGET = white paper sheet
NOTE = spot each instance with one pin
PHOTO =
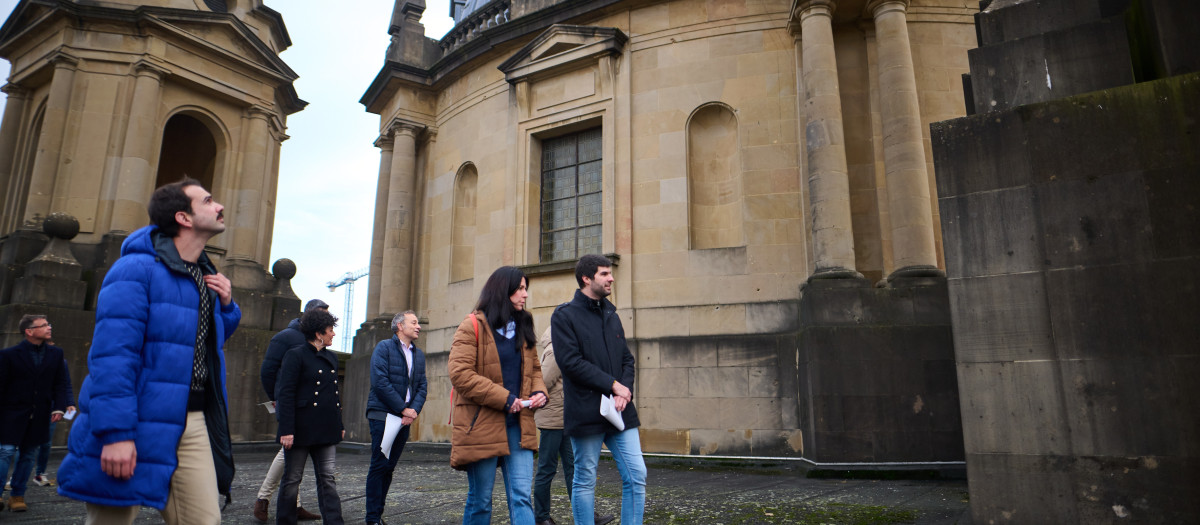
(608, 409)
(391, 428)
(270, 405)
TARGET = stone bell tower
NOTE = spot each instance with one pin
(107, 101)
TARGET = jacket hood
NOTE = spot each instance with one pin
(295, 324)
(150, 241)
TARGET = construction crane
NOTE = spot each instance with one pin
(347, 324)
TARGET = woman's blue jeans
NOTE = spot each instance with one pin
(517, 469)
(626, 448)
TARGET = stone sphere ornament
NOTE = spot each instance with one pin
(283, 269)
(60, 225)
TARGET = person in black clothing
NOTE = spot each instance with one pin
(590, 348)
(35, 390)
(310, 424)
(282, 342)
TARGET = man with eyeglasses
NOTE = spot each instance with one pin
(35, 390)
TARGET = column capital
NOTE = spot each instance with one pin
(384, 142)
(146, 68)
(258, 112)
(802, 9)
(62, 60)
(15, 91)
(875, 8)
(405, 127)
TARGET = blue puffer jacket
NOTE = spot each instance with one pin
(139, 376)
(389, 379)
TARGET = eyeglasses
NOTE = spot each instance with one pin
(47, 325)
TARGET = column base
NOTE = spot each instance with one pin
(916, 275)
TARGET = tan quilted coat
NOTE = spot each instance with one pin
(479, 395)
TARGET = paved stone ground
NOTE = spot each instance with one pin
(427, 491)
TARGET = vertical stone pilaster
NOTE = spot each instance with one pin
(913, 249)
(396, 276)
(248, 192)
(384, 143)
(49, 144)
(14, 110)
(135, 181)
(828, 181)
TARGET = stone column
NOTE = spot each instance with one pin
(135, 182)
(384, 143)
(913, 252)
(14, 110)
(396, 281)
(49, 143)
(245, 209)
(828, 182)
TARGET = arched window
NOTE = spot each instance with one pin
(462, 251)
(188, 149)
(714, 179)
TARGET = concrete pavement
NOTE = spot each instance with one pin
(427, 491)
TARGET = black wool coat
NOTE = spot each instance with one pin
(28, 393)
(589, 345)
(307, 398)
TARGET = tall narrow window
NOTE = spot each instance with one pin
(462, 251)
(571, 196)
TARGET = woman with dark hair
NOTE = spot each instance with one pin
(310, 424)
(497, 382)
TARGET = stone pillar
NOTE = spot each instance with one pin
(828, 182)
(395, 277)
(384, 143)
(247, 196)
(913, 251)
(49, 144)
(135, 182)
(14, 110)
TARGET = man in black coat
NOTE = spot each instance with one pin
(589, 345)
(35, 389)
(287, 338)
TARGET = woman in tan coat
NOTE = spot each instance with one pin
(497, 381)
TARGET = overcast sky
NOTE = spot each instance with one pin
(329, 166)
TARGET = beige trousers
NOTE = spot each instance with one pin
(193, 498)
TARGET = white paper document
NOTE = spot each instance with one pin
(391, 427)
(609, 410)
(270, 406)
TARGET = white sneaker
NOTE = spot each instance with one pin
(43, 481)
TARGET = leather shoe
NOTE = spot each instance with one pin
(17, 504)
(549, 521)
(261, 507)
(304, 515)
(602, 520)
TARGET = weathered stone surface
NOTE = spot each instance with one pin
(878, 383)
(1072, 362)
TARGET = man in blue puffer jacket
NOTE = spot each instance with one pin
(398, 388)
(153, 425)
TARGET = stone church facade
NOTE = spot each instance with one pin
(760, 172)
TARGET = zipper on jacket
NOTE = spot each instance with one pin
(474, 419)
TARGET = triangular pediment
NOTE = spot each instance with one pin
(231, 39)
(563, 46)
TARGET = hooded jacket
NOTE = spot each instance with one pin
(478, 427)
(589, 346)
(140, 374)
(285, 340)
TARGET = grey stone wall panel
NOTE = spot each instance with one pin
(1013, 408)
(998, 229)
(1001, 318)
